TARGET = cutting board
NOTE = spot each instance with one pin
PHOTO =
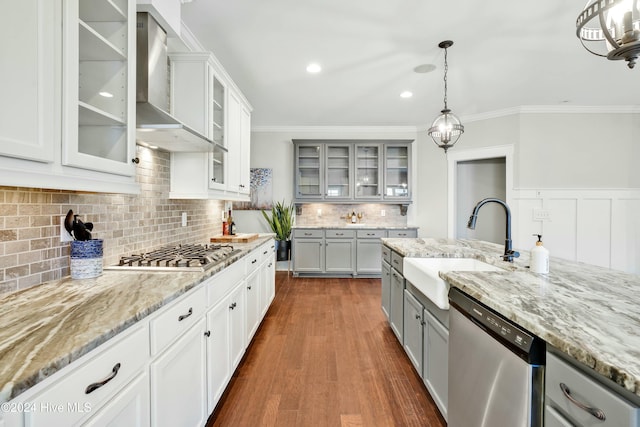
(236, 238)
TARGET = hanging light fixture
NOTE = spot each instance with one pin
(446, 128)
(611, 28)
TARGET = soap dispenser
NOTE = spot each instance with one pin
(354, 218)
(539, 257)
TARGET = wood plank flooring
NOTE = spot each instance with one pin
(325, 356)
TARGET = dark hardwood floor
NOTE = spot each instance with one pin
(325, 356)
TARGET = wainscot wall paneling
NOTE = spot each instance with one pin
(594, 226)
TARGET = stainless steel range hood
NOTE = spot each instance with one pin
(155, 126)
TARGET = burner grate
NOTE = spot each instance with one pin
(186, 257)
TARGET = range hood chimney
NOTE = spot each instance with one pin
(154, 125)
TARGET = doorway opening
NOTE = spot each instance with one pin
(472, 176)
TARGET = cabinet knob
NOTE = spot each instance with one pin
(249, 287)
(417, 316)
(232, 306)
(213, 179)
(207, 334)
(135, 160)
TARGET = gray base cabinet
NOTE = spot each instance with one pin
(341, 251)
(436, 360)
(386, 288)
(413, 330)
(396, 316)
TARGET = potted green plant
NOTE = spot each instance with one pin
(281, 223)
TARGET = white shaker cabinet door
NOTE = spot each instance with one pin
(178, 382)
(31, 79)
(130, 407)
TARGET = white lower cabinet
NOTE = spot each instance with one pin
(168, 370)
(253, 287)
(218, 353)
(93, 388)
(129, 408)
(178, 382)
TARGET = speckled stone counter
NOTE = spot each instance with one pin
(47, 327)
(589, 313)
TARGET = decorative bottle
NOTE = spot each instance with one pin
(539, 257)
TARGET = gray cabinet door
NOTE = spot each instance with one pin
(396, 316)
(436, 360)
(413, 330)
(369, 252)
(397, 164)
(338, 172)
(309, 174)
(308, 255)
(386, 288)
(340, 255)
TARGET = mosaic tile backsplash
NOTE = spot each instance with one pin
(30, 249)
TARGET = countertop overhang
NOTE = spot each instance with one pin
(591, 314)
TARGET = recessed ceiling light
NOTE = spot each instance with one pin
(406, 94)
(424, 68)
(314, 68)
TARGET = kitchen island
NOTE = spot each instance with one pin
(50, 326)
(589, 314)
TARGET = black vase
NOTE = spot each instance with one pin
(284, 250)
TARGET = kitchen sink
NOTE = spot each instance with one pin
(423, 274)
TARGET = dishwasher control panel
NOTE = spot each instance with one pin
(507, 330)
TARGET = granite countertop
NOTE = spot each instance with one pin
(47, 327)
(348, 225)
(589, 313)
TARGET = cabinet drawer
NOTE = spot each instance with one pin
(253, 260)
(223, 282)
(176, 319)
(396, 261)
(386, 254)
(104, 375)
(308, 233)
(267, 251)
(618, 411)
(372, 234)
(403, 233)
(340, 234)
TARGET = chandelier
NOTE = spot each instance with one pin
(446, 128)
(611, 28)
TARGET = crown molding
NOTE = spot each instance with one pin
(337, 129)
(553, 109)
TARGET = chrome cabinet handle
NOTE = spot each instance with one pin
(596, 412)
(184, 316)
(93, 387)
(339, 234)
(307, 234)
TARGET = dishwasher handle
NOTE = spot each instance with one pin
(596, 412)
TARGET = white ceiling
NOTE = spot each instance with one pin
(505, 54)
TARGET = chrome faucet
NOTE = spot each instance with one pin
(509, 253)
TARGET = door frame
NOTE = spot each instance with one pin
(498, 151)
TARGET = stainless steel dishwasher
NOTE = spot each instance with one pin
(496, 369)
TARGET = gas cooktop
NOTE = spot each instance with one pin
(177, 258)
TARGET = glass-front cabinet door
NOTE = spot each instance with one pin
(368, 176)
(217, 158)
(309, 164)
(396, 170)
(338, 171)
(99, 86)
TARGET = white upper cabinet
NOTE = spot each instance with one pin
(166, 12)
(203, 97)
(99, 113)
(29, 114)
(67, 106)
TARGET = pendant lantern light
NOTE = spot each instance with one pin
(446, 128)
(611, 28)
